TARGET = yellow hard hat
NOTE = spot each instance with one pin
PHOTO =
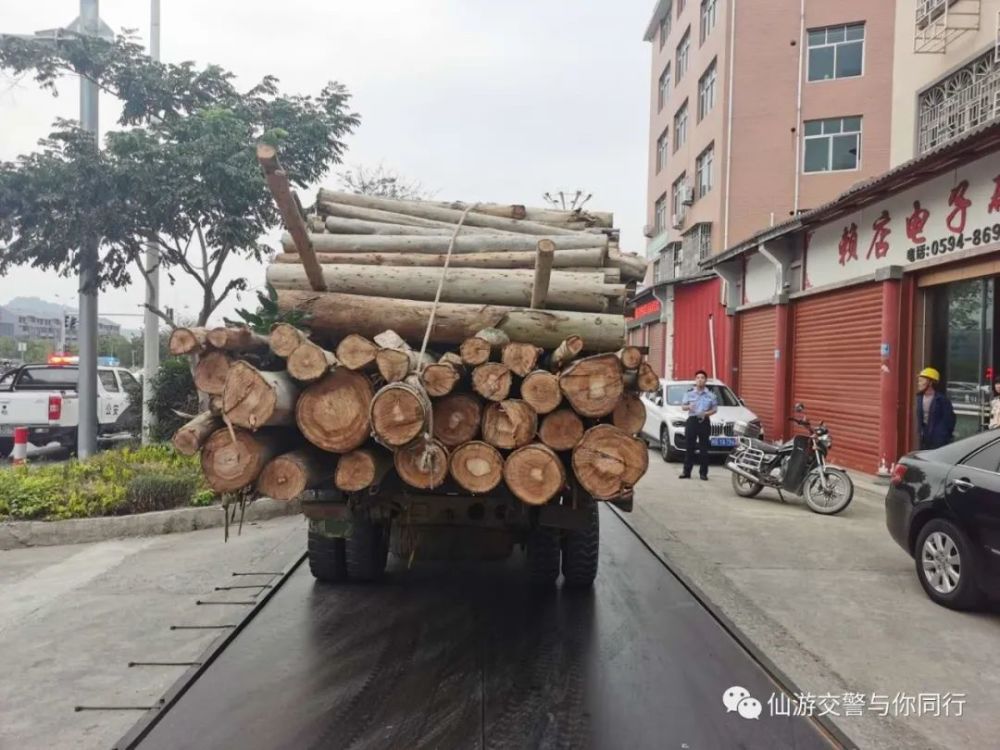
(930, 373)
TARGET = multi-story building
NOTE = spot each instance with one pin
(759, 110)
(24, 325)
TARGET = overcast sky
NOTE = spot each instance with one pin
(476, 99)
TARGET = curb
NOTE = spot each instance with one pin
(21, 534)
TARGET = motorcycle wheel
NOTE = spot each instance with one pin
(836, 498)
(744, 487)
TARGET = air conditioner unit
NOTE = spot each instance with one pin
(677, 220)
(687, 195)
(648, 231)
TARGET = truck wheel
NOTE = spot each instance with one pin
(366, 550)
(543, 555)
(327, 559)
(6, 447)
(580, 550)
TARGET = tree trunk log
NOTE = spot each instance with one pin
(492, 381)
(396, 364)
(285, 339)
(211, 372)
(289, 475)
(457, 418)
(644, 379)
(593, 385)
(230, 465)
(237, 340)
(487, 344)
(341, 225)
(400, 412)
(422, 464)
(568, 350)
(585, 260)
(337, 315)
(543, 274)
(477, 467)
(391, 217)
(389, 339)
(534, 474)
(509, 424)
(520, 358)
(608, 462)
(309, 362)
(189, 438)
(633, 267)
(356, 352)
(541, 390)
(464, 244)
(630, 414)
(561, 430)
(187, 340)
(255, 399)
(334, 413)
(555, 217)
(631, 357)
(566, 291)
(441, 378)
(361, 469)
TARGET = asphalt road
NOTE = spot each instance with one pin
(466, 656)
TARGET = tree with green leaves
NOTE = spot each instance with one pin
(181, 170)
(382, 182)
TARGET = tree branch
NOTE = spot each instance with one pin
(161, 315)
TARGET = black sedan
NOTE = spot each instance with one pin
(943, 508)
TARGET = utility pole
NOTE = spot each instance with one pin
(151, 323)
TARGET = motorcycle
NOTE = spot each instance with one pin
(798, 466)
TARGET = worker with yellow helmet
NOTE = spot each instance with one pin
(935, 414)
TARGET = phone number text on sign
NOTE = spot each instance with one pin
(977, 237)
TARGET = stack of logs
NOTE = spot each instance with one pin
(286, 414)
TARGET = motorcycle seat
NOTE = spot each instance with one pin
(760, 445)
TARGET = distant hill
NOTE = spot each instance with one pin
(44, 308)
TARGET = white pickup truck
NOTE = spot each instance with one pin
(43, 398)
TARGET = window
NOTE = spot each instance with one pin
(128, 382)
(706, 92)
(677, 250)
(836, 52)
(680, 126)
(683, 52)
(725, 397)
(664, 88)
(986, 459)
(958, 102)
(703, 170)
(708, 18)
(677, 191)
(108, 381)
(660, 215)
(832, 145)
(665, 26)
(661, 150)
(698, 241)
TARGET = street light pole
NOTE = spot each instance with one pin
(151, 323)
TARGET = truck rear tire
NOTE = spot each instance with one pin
(544, 551)
(327, 559)
(366, 550)
(581, 548)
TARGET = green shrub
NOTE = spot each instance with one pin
(203, 498)
(173, 391)
(148, 492)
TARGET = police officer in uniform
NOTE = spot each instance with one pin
(700, 404)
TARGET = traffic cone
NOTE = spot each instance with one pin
(20, 454)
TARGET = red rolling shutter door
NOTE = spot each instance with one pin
(756, 373)
(657, 344)
(836, 340)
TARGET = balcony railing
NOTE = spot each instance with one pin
(962, 101)
(940, 22)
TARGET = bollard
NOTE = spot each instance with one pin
(19, 456)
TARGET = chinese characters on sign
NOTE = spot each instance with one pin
(881, 228)
(857, 704)
(849, 244)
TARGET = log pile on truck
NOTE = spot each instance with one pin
(449, 347)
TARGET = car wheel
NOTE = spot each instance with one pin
(946, 566)
(667, 450)
(744, 487)
(544, 551)
(580, 549)
(366, 550)
(327, 558)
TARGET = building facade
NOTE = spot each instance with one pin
(25, 325)
(748, 129)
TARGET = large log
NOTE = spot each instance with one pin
(400, 412)
(309, 362)
(509, 424)
(554, 216)
(608, 462)
(631, 357)
(644, 379)
(566, 291)
(629, 414)
(543, 273)
(561, 430)
(541, 390)
(237, 339)
(337, 315)
(566, 352)
(427, 210)
(253, 398)
(422, 464)
(391, 217)
(476, 467)
(394, 365)
(588, 259)
(189, 438)
(285, 339)
(457, 418)
(593, 385)
(342, 225)
(356, 352)
(492, 381)
(361, 469)
(464, 244)
(232, 461)
(520, 357)
(187, 340)
(334, 413)
(211, 372)
(487, 344)
(633, 267)
(289, 475)
(440, 378)
(534, 474)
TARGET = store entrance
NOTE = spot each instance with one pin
(961, 323)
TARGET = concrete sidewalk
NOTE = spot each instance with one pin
(832, 601)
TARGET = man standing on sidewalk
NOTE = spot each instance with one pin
(700, 404)
(935, 414)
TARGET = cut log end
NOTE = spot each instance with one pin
(361, 469)
(310, 362)
(440, 379)
(422, 464)
(393, 364)
(541, 390)
(457, 418)
(253, 399)
(474, 351)
(289, 475)
(630, 414)
(492, 381)
(631, 357)
(521, 358)
(477, 467)
(189, 438)
(231, 462)
(534, 474)
(608, 462)
(399, 413)
(509, 424)
(187, 340)
(211, 372)
(593, 385)
(561, 430)
(333, 413)
(356, 352)
(285, 339)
